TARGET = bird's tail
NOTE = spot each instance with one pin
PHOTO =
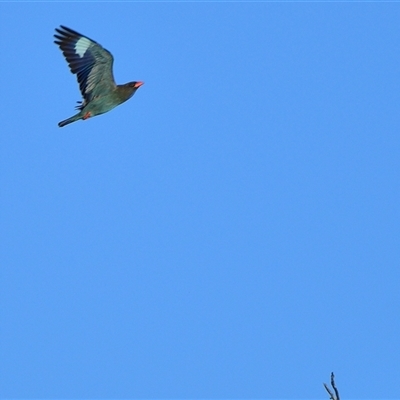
(70, 120)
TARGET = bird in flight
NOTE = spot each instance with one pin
(93, 66)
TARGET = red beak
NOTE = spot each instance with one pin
(138, 84)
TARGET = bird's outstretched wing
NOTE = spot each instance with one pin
(88, 60)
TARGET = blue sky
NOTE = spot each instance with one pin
(232, 231)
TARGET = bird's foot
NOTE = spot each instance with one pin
(87, 115)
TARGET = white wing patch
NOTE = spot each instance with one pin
(82, 45)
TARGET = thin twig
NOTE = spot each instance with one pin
(336, 395)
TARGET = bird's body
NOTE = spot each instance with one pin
(93, 66)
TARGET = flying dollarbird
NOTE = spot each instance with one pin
(92, 65)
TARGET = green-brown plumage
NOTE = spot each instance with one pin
(93, 66)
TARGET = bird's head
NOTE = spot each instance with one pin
(134, 85)
(127, 90)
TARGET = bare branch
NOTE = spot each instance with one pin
(332, 396)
